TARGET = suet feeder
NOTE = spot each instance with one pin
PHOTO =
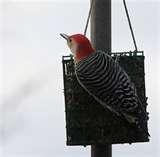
(87, 122)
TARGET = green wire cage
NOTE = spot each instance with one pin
(87, 122)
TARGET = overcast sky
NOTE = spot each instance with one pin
(32, 121)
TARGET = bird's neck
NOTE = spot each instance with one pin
(81, 54)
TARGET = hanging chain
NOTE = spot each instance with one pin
(130, 26)
(89, 15)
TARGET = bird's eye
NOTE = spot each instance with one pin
(70, 40)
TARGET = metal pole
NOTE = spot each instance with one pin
(101, 40)
(101, 25)
(101, 150)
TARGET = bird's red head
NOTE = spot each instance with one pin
(80, 46)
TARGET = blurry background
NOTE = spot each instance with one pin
(32, 121)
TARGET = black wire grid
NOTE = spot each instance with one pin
(87, 122)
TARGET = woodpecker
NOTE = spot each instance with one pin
(105, 80)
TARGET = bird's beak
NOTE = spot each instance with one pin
(64, 36)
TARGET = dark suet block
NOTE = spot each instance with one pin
(87, 122)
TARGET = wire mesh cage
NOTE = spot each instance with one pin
(87, 122)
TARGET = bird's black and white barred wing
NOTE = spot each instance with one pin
(109, 84)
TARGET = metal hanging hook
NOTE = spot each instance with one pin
(130, 26)
(89, 15)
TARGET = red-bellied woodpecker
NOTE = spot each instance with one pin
(105, 80)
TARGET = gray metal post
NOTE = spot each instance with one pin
(101, 40)
(101, 25)
(101, 150)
